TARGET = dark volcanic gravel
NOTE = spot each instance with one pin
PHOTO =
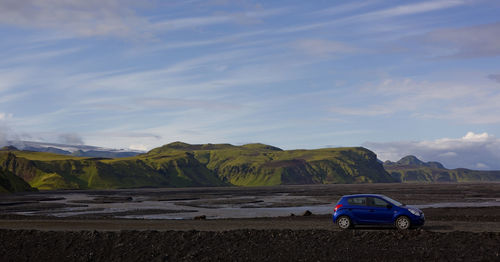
(248, 245)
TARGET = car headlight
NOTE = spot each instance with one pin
(415, 212)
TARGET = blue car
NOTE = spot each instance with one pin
(370, 209)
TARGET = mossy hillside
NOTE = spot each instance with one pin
(258, 164)
(180, 165)
(63, 172)
(418, 171)
(10, 183)
(426, 174)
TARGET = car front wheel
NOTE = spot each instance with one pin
(402, 223)
(344, 222)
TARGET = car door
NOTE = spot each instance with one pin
(359, 209)
(379, 212)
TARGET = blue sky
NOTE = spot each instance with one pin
(393, 76)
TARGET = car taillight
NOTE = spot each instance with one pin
(337, 207)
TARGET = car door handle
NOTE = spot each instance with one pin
(371, 210)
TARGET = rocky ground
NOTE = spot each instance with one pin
(248, 245)
(450, 234)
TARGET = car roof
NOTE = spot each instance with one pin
(364, 195)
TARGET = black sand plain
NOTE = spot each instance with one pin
(455, 233)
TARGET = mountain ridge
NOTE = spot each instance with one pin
(412, 169)
(411, 160)
(75, 150)
(180, 164)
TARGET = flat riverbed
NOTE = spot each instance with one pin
(235, 202)
(246, 224)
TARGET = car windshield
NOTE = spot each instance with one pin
(392, 201)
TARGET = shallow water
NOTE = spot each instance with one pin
(492, 203)
(247, 206)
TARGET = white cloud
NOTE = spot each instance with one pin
(321, 48)
(138, 147)
(473, 151)
(471, 136)
(371, 16)
(70, 139)
(461, 102)
(344, 8)
(248, 17)
(181, 23)
(448, 154)
(5, 131)
(494, 77)
(482, 166)
(411, 9)
(367, 111)
(465, 42)
(83, 18)
(29, 57)
(5, 116)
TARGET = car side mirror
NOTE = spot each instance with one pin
(389, 206)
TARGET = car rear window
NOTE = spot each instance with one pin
(373, 201)
(357, 201)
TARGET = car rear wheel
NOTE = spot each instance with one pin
(402, 223)
(344, 222)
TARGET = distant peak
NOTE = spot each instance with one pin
(262, 146)
(190, 147)
(178, 145)
(9, 148)
(414, 161)
(410, 161)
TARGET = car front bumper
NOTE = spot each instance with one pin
(417, 220)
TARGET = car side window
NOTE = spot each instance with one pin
(377, 202)
(357, 201)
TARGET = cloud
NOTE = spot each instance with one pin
(82, 18)
(246, 17)
(344, 8)
(138, 147)
(179, 103)
(319, 47)
(367, 111)
(370, 16)
(118, 18)
(5, 131)
(473, 151)
(70, 139)
(3, 136)
(461, 102)
(495, 77)
(411, 9)
(181, 23)
(465, 42)
(30, 57)
(448, 154)
(5, 116)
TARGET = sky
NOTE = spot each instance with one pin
(397, 77)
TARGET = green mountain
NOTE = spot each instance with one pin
(10, 183)
(414, 161)
(51, 171)
(259, 164)
(411, 169)
(179, 165)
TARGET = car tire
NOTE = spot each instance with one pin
(402, 223)
(344, 222)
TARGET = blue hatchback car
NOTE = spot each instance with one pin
(371, 209)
